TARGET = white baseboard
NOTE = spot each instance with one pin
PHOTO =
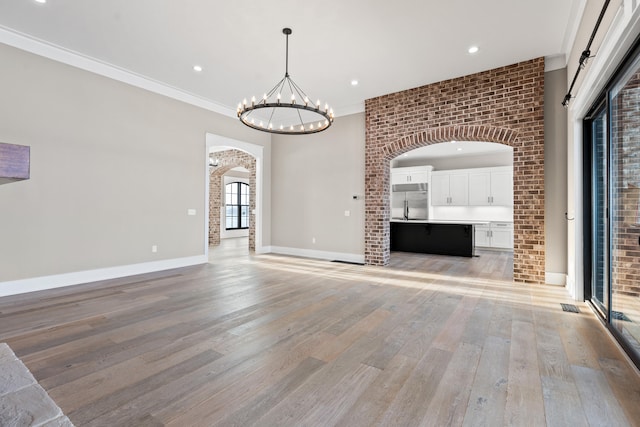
(263, 250)
(310, 253)
(559, 279)
(21, 286)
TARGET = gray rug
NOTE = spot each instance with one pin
(23, 402)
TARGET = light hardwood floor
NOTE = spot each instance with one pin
(281, 341)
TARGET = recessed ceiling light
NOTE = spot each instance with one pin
(459, 149)
(197, 68)
(354, 82)
(453, 142)
(473, 49)
(41, 1)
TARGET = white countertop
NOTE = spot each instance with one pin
(441, 221)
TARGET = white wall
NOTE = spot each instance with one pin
(555, 172)
(114, 169)
(314, 179)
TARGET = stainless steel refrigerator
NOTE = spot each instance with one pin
(410, 202)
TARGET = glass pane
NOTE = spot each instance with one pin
(229, 210)
(625, 207)
(600, 276)
(228, 199)
(245, 222)
(230, 222)
(244, 199)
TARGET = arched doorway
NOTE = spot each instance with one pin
(253, 156)
(224, 161)
(505, 106)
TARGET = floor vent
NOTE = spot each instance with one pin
(617, 315)
(570, 308)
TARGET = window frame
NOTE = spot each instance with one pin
(240, 186)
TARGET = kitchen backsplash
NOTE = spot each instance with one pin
(472, 213)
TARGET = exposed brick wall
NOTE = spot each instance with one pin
(626, 186)
(504, 105)
(228, 160)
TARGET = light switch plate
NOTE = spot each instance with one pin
(191, 212)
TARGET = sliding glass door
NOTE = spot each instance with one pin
(612, 210)
(625, 205)
(599, 210)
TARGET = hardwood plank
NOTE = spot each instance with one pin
(623, 380)
(377, 398)
(257, 407)
(524, 389)
(412, 401)
(449, 404)
(109, 403)
(488, 396)
(427, 340)
(562, 404)
(341, 397)
(334, 346)
(454, 327)
(600, 407)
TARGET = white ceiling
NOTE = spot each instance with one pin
(387, 46)
(455, 148)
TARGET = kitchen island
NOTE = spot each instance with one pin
(434, 237)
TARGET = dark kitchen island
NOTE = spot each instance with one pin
(433, 237)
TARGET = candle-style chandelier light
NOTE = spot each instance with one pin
(285, 109)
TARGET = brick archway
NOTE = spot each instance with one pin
(227, 160)
(505, 106)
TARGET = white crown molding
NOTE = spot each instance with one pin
(349, 110)
(75, 59)
(577, 11)
(555, 62)
(22, 286)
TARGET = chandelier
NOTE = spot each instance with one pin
(285, 109)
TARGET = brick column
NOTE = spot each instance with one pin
(504, 105)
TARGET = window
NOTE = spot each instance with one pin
(612, 205)
(236, 206)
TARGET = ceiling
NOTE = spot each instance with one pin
(388, 46)
(455, 149)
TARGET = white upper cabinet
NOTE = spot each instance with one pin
(410, 175)
(502, 187)
(493, 187)
(439, 189)
(449, 188)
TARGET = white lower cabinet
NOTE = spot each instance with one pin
(495, 235)
(482, 236)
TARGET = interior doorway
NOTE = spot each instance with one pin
(227, 156)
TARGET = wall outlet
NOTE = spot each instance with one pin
(154, 248)
(347, 213)
(191, 212)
